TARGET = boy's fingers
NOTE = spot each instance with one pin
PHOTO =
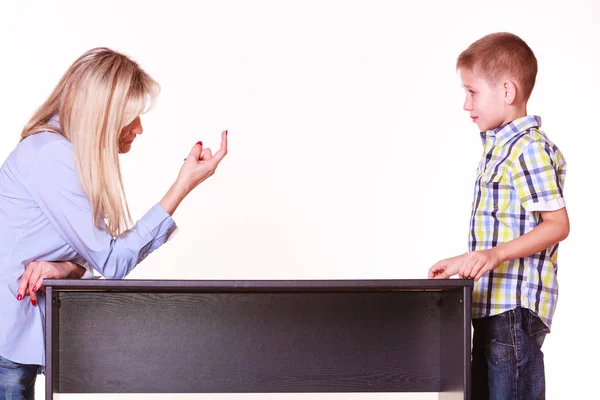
(434, 270)
(442, 275)
(439, 270)
(481, 272)
(476, 268)
(468, 266)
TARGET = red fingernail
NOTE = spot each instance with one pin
(200, 143)
(185, 159)
(35, 288)
(227, 133)
(19, 297)
(34, 302)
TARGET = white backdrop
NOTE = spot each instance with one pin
(350, 154)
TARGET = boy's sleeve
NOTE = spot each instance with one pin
(537, 179)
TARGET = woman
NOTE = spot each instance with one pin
(62, 204)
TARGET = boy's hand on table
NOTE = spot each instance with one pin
(467, 265)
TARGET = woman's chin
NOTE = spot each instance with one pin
(125, 148)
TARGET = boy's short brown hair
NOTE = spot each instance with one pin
(500, 55)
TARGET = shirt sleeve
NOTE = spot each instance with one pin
(54, 185)
(537, 179)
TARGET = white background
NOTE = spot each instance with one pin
(350, 154)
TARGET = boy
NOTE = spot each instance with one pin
(517, 221)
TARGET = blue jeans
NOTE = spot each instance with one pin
(17, 381)
(507, 361)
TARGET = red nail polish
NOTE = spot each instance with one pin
(35, 288)
(200, 143)
(185, 159)
(34, 302)
(19, 297)
(226, 132)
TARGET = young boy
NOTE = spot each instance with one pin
(517, 221)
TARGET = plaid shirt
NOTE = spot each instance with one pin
(520, 174)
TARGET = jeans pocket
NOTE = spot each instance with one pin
(538, 338)
(537, 330)
(499, 353)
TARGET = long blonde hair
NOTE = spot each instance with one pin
(101, 92)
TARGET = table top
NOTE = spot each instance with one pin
(333, 285)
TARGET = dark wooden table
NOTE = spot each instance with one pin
(166, 336)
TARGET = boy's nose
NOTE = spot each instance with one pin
(468, 106)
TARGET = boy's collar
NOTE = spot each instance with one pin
(505, 132)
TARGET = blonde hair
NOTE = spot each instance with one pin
(101, 92)
(502, 54)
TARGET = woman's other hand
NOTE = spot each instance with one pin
(32, 280)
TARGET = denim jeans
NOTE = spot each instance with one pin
(507, 359)
(17, 381)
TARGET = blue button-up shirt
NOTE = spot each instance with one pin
(46, 216)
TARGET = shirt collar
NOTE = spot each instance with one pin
(503, 133)
(54, 121)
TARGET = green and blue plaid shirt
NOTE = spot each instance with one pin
(520, 174)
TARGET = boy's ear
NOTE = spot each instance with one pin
(510, 92)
